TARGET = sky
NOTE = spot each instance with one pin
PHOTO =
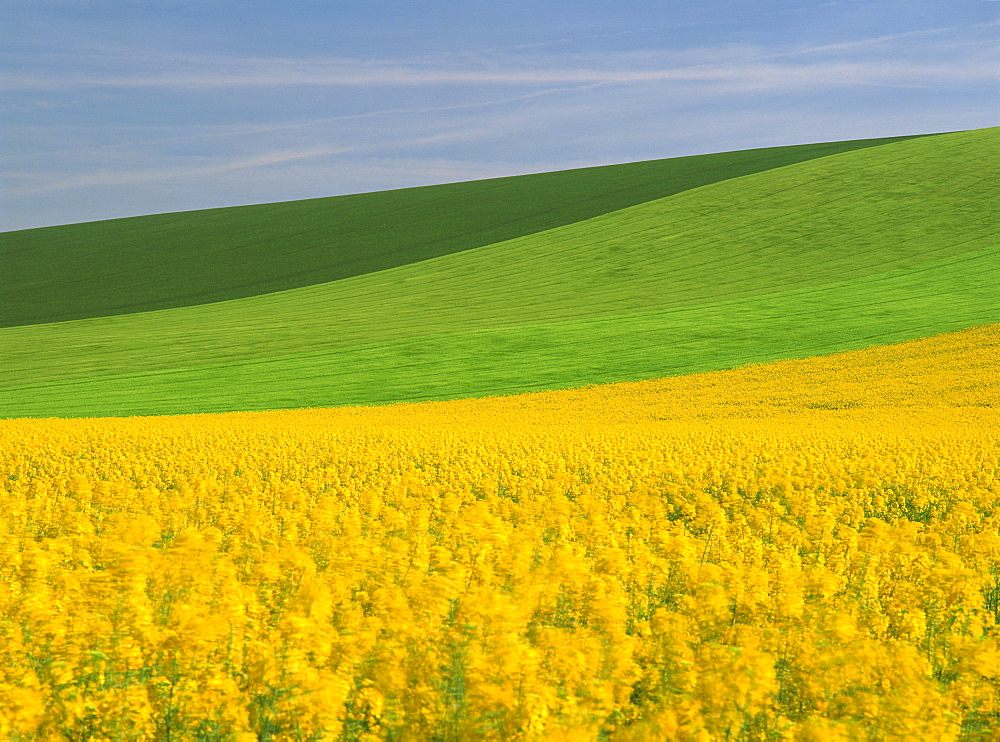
(113, 108)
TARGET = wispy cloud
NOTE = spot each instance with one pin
(755, 67)
(835, 73)
(110, 130)
(883, 39)
(53, 182)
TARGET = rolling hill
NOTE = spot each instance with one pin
(863, 246)
(161, 261)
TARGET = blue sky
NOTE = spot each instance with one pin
(113, 108)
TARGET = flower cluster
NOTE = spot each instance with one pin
(453, 571)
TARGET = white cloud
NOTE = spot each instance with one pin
(733, 63)
(883, 39)
(834, 73)
(54, 182)
(452, 116)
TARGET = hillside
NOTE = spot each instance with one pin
(172, 260)
(855, 249)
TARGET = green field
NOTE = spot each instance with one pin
(173, 260)
(862, 246)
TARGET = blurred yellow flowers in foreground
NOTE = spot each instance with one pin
(801, 550)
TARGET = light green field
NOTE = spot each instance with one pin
(854, 249)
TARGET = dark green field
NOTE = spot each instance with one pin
(862, 246)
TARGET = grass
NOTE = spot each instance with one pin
(856, 249)
(173, 260)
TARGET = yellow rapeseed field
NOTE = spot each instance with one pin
(804, 550)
